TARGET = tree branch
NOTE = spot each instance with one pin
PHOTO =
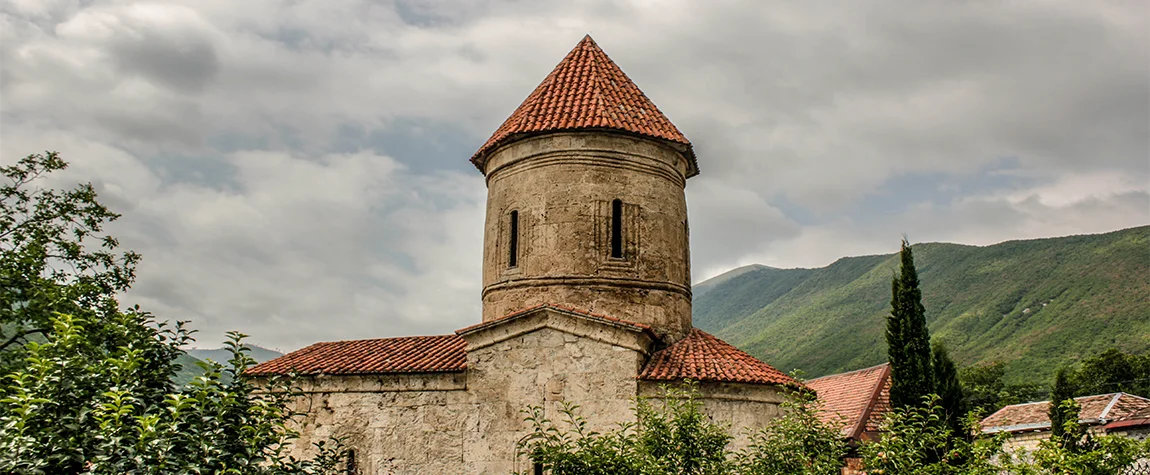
(42, 331)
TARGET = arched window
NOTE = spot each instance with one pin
(513, 245)
(617, 229)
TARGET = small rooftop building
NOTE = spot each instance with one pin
(1114, 414)
(586, 298)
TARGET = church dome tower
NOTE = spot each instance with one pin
(585, 201)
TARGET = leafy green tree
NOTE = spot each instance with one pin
(917, 441)
(797, 443)
(1063, 410)
(908, 340)
(210, 426)
(47, 260)
(671, 436)
(86, 387)
(1113, 371)
(948, 387)
(674, 437)
(985, 391)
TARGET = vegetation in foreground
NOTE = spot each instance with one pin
(673, 436)
(87, 387)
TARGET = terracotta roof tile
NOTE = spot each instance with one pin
(586, 91)
(1093, 409)
(413, 354)
(848, 398)
(703, 357)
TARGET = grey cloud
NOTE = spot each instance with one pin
(169, 45)
(297, 169)
(187, 66)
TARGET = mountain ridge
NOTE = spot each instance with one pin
(1025, 302)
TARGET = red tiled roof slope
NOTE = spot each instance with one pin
(849, 397)
(703, 357)
(1034, 416)
(413, 354)
(585, 91)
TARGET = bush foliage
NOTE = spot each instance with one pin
(87, 386)
(673, 436)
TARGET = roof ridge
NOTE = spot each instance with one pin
(1109, 406)
(848, 372)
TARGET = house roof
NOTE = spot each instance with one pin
(855, 401)
(1099, 409)
(413, 354)
(699, 356)
(586, 91)
(703, 357)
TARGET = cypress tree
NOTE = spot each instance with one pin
(908, 340)
(948, 387)
(1059, 413)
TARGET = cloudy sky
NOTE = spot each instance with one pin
(297, 169)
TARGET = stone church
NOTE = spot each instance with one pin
(586, 298)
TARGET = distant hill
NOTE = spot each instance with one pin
(703, 287)
(1034, 304)
(189, 369)
(221, 355)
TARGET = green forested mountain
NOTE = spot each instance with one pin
(1033, 304)
(189, 369)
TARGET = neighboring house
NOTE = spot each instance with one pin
(855, 402)
(1112, 414)
(586, 298)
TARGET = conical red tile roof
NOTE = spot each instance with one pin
(586, 91)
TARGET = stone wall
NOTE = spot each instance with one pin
(561, 187)
(743, 408)
(542, 360)
(401, 424)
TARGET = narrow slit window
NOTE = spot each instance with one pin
(513, 247)
(617, 229)
(538, 468)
